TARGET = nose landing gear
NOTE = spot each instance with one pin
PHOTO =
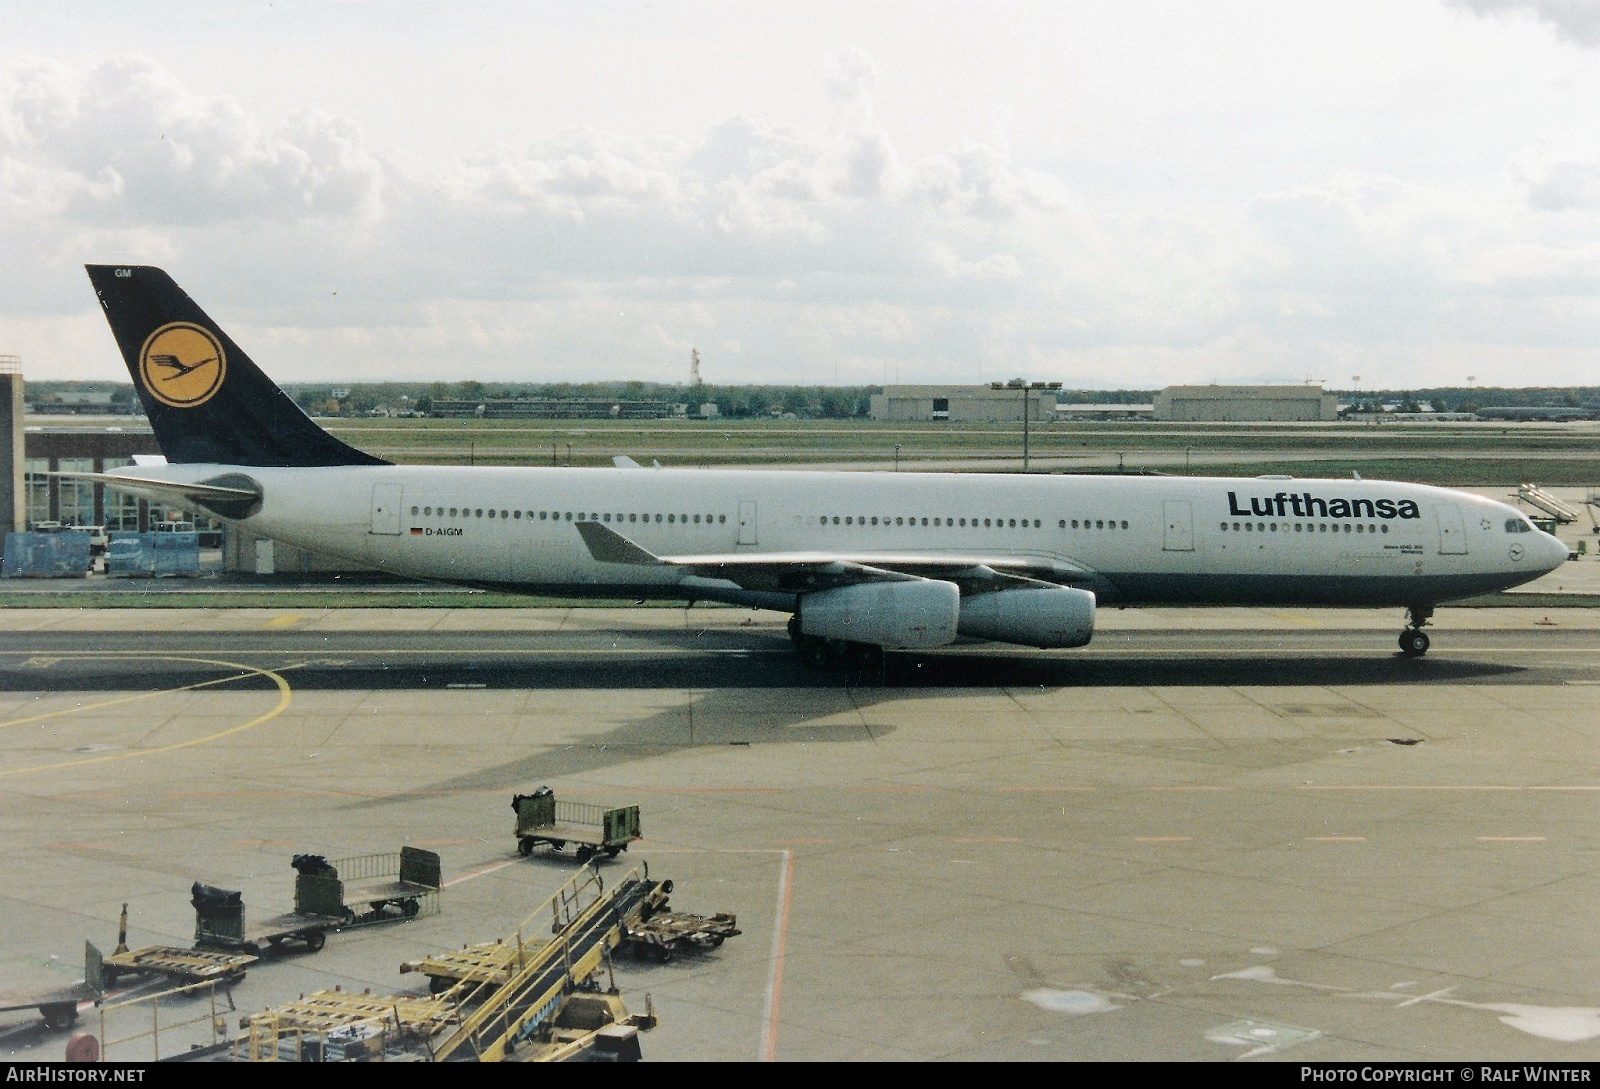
(1414, 641)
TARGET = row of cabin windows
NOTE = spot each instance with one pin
(569, 516)
(1303, 527)
(885, 520)
(991, 523)
(1098, 523)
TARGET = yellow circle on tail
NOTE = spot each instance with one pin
(182, 365)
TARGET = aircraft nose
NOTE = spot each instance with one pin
(1554, 553)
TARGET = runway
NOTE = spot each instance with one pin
(1211, 835)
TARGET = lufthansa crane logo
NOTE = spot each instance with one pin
(182, 365)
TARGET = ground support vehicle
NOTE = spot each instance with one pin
(59, 1005)
(488, 962)
(592, 1028)
(530, 997)
(651, 930)
(592, 829)
(586, 923)
(328, 896)
(342, 1026)
(184, 965)
(668, 933)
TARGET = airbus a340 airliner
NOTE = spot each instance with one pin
(863, 560)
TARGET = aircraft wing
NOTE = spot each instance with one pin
(799, 572)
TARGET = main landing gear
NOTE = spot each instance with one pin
(1414, 641)
(820, 653)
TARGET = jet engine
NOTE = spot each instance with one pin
(1056, 617)
(919, 613)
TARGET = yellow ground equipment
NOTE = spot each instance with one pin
(184, 965)
(524, 992)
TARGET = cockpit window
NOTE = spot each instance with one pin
(1518, 525)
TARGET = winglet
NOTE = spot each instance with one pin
(608, 546)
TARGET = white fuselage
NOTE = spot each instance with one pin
(1136, 539)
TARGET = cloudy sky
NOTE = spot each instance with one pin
(1127, 194)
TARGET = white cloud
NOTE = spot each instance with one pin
(1577, 21)
(1141, 199)
(125, 141)
(1559, 177)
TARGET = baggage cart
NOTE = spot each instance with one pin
(328, 896)
(592, 829)
(669, 933)
(59, 1005)
(184, 965)
(651, 930)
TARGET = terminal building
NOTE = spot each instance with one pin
(1264, 404)
(552, 408)
(30, 496)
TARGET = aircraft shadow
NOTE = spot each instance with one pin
(727, 708)
(900, 671)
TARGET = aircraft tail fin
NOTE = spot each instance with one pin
(207, 402)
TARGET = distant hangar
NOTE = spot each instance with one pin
(1270, 404)
(1212, 404)
(966, 404)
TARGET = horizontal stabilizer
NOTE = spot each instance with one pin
(197, 492)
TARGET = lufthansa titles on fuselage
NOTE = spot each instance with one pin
(1306, 505)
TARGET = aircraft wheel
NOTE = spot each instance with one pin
(60, 1017)
(1414, 642)
(864, 655)
(814, 651)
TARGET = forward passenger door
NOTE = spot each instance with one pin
(1452, 536)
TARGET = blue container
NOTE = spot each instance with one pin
(130, 555)
(46, 555)
(177, 553)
